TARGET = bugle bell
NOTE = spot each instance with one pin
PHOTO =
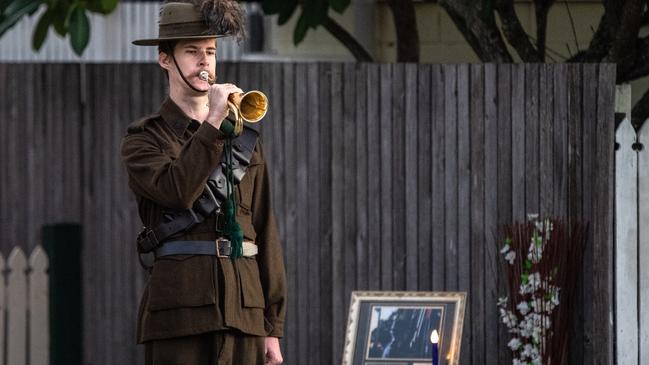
(250, 107)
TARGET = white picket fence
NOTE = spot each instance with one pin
(632, 239)
(24, 304)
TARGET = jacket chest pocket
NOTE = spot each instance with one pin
(182, 281)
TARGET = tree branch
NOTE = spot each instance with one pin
(357, 50)
(640, 111)
(482, 34)
(604, 35)
(631, 68)
(403, 13)
(514, 32)
(627, 32)
(541, 9)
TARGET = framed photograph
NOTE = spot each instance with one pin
(395, 328)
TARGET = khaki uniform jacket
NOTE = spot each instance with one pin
(168, 158)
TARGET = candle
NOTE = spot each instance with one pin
(434, 338)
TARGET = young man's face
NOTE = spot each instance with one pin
(193, 56)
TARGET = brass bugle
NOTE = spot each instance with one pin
(250, 106)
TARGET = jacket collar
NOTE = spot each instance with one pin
(174, 116)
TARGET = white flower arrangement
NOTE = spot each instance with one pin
(533, 264)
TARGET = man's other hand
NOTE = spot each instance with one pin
(273, 352)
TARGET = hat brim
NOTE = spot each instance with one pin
(157, 41)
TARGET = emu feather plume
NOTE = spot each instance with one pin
(222, 17)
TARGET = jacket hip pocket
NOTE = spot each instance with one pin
(253, 295)
(182, 281)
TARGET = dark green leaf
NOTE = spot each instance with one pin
(3, 6)
(79, 30)
(100, 6)
(339, 5)
(15, 11)
(61, 20)
(315, 11)
(286, 12)
(272, 6)
(300, 30)
(40, 33)
(108, 5)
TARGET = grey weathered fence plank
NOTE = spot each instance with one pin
(424, 178)
(70, 164)
(464, 198)
(301, 188)
(13, 184)
(438, 183)
(451, 176)
(546, 104)
(575, 132)
(518, 142)
(362, 125)
(373, 177)
(326, 212)
(272, 133)
(491, 210)
(349, 165)
(589, 119)
(4, 169)
(386, 125)
(32, 120)
(411, 198)
(532, 138)
(289, 204)
(560, 138)
(477, 296)
(398, 178)
(504, 202)
(339, 302)
(103, 197)
(313, 239)
(603, 218)
(115, 186)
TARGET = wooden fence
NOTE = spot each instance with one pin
(24, 308)
(385, 177)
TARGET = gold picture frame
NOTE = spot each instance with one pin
(393, 327)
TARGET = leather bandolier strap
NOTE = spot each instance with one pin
(215, 192)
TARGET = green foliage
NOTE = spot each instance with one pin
(312, 13)
(67, 17)
(79, 30)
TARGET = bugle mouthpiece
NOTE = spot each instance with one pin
(204, 75)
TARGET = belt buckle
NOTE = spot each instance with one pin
(223, 247)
